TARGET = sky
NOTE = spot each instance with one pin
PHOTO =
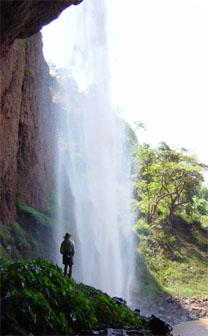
(158, 54)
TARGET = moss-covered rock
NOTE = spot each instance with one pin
(23, 241)
(34, 213)
(26, 238)
(37, 298)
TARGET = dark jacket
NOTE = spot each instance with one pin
(67, 249)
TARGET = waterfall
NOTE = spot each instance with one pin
(93, 162)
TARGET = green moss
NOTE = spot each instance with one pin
(5, 235)
(6, 240)
(37, 215)
(20, 241)
(104, 309)
(21, 237)
(14, 238)
(39, 299)
(4, 256)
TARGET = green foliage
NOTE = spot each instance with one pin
(13, 242)
(177, 258)
(39, 299)
(21, 238)
(172, 203)
(5, 235)
(104, 309)
(130, 134)
(185, 278)
(3, 254)
(167, 181)
(37, 215)
(25, 240)
(149, 285)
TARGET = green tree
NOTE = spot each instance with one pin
(167, 181)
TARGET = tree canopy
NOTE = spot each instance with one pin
(168, 182)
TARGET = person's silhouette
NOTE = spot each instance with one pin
(67, 250)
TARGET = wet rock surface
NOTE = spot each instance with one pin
(127, 332)
(158, 326)
(151, 326)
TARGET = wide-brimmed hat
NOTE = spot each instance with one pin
(67, 235)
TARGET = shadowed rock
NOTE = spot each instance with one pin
(23, 18)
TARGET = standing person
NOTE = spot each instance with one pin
(67, 249)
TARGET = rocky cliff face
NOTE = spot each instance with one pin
(36, 129)
(12, 73)
(26, 127)
(27, 124)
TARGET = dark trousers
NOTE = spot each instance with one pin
(70, 270)
(68, 262)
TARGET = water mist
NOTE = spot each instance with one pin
(93, 163)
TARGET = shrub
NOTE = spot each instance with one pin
(37, 298)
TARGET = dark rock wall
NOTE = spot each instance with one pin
(23, 18)
(36, 130)
(12, 75)
(27, 126)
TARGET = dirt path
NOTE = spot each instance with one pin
(192, 328)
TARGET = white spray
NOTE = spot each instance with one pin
(94, 187)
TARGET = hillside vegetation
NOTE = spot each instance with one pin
(172, 227)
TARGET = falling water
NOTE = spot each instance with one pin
(93, 162)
